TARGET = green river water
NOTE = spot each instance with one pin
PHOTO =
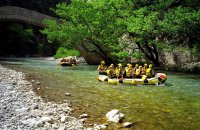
(175, 106)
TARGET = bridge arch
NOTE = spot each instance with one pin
(13, 13)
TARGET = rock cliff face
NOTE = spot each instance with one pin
(90, 53)
(181, 61)
(177, 57)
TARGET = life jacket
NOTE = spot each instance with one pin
(137, 72)
(148, 72)
(119, 72)
(129, 72)
(110, 73)
(144, 71)
(135, 68)
(101, 68)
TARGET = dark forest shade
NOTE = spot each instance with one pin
(19, 40)
(41, 6)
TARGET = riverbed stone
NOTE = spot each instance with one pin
(114, 116)
(67, 94)
(63, 119)
(22, 109)
(83, 116)
(127, 124)
(39, 123)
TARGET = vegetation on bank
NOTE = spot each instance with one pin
(151, 25)
(62, 53)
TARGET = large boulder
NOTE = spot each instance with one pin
(90, 53)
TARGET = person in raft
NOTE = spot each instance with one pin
(102, 68)
(129, 71)
(138, 72)
(119, 71)
(144, 68)
(150, 72)
(110, 71)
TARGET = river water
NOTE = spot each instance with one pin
(175, 106)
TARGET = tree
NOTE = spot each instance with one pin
(149, 23)
(93, 22)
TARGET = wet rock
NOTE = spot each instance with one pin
(83, 116)
(67, 94)
(127, 124)
(114, 116)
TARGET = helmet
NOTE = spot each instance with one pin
(127, 64)
(145, 64)
(140, 67)
(130, 65)
(111, 65)
(102, 62)
(120, 65)
(150, 66)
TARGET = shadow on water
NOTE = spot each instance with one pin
(148, 107)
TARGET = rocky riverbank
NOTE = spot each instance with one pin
(22, 109)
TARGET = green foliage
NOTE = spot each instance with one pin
(150, 23)
(62, 52)
(21, 32)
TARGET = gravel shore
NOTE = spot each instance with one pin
(22, 109)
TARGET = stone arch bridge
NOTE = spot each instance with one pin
(13, 13)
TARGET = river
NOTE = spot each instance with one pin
(175, 106)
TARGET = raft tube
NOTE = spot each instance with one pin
(159, 78)
(65, 64)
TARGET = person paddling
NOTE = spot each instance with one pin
(150, 72)
(110, 71)
(102, 68)
(119, 71)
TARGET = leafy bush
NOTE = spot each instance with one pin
(62, 52)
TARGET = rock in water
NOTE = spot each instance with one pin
(83, 116)
(114, 116)
(127, 124)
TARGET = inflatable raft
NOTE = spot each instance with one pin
(159, 78)
(65, 64)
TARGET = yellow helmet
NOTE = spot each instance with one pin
(130, 65)
(140, 67)
(150, 66)
(111, 65)
(145, 64)
(136, 65)
(102, 62)
(120, 65)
